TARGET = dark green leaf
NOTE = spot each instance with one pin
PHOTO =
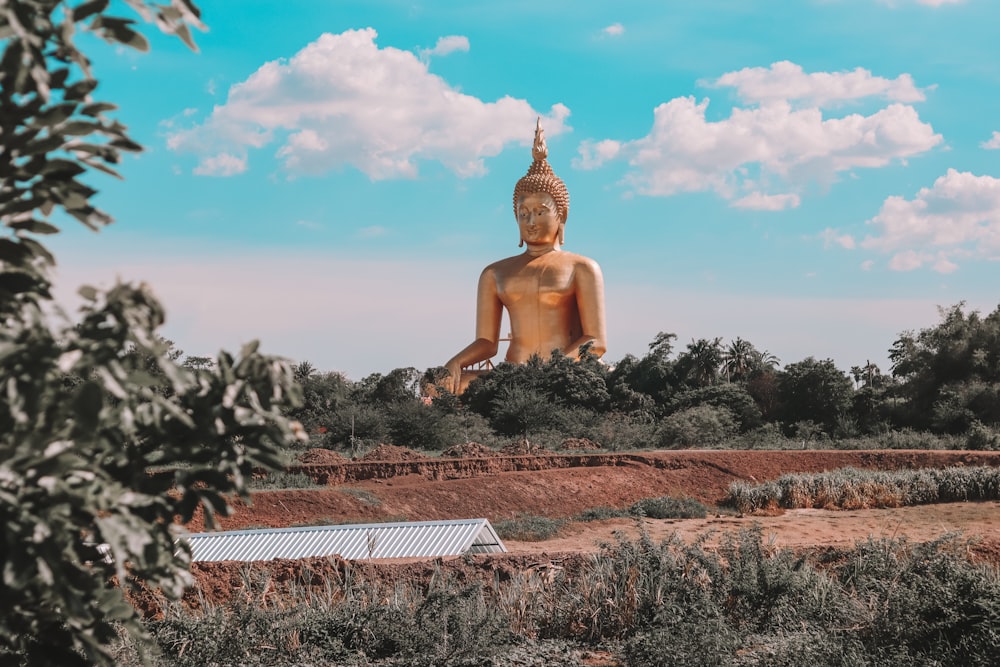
(34, 226)
(79, 128)
(62, 168)
(13, 252)
(87, 9)
(87, 406)
(97, 108)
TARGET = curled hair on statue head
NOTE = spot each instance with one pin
(541, 178)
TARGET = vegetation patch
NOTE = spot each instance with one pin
(884, 602)
(666, 507)
(528, 528)
(663, 507)
(281, 479)
(850, 488)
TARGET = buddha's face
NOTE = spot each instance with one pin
(538, 218)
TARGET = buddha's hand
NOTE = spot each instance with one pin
(454, 381)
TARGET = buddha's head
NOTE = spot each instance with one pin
(540, 179)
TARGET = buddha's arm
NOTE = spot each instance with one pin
(489, 310)
(590, 302)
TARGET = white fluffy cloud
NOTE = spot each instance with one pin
(614, 30)
(957, 217)
(787, 81)
(993, 144)
(758, 201)
(343, 101)
(222, 164)
(446, 45)
(784, 135)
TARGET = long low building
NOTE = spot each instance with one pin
(413, 539)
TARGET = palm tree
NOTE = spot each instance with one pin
(705, 358)
(765, 361)
(738, 360)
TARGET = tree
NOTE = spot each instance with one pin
(734, 398)
(738, 360)
(82, 417)
(539, 395)
(816, 391)
(698, 425)
(701, 362)
(949, 373)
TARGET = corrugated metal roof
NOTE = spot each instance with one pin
(415, 539)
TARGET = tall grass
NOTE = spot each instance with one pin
(850, 488)
(885, 602)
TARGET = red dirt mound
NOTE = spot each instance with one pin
(392, 454)
(319, 456)
(523, 448)
(579, 445)
(468, 450)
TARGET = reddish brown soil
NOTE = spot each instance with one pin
(563, 485)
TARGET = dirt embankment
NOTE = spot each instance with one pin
(560, 486)
(556, 485)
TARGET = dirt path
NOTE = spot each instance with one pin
(794, 529)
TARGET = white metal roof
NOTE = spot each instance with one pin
(416, 539)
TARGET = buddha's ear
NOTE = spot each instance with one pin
(520, 242)
(562, 233)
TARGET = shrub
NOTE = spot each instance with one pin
(884, 602)
(666, 507)
(700, 425)
(528, 528)
(850, 488)
(981, 437)
(601, 513)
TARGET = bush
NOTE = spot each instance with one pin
(849, 488)
(666, 507)
(601, 513)
(884, 602)
(982, 438)
(528, 528)
(700, 425)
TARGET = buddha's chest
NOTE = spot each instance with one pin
(542, 283)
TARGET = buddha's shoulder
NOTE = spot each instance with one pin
(518, 263)
(578, 260)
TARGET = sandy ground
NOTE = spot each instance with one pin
(979, 522)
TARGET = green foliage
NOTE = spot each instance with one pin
(816, 391)
(732, 397)
(666, 507)
(446, 624)
(528, 528)
(982, 437)
(924, 601)
(884, 602)
(601, 513)
(618, 431)
(850, 488)
(702, 425)
(950, 373)
(701, 362)
(520, 399)
(87, 410)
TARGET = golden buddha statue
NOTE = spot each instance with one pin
(554, 299)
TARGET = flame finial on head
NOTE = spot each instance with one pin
(539, 150)
(541, 178)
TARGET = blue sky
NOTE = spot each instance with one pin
(815, 176)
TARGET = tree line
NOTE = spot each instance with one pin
(943, 380)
